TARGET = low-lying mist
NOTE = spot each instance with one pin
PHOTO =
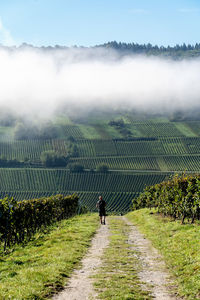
(38, 83)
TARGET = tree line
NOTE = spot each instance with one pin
(176, 51)
(149, 49)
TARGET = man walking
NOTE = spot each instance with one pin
(101, 204)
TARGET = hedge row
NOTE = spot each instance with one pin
(178, 197)
(19, 221)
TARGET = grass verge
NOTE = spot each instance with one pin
(117, 278)
(41, 267)
(179, 245)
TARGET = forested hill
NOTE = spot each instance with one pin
(177, 51)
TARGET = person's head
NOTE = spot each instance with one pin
(100, 198)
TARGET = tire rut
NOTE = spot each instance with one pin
(153, 269)
(80, 286)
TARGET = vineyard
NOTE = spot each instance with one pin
(158, 130)
(177, 198)
(21, 220)
(59, 180)
(116, 202)
(163, 128)
(70, 130)
(195, 127)
(137, 152)
(117, 163)
(139, 147)
(118, 189)
(32, 149)
(183, 163)
(119, 202)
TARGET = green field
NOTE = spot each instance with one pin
(138, 151)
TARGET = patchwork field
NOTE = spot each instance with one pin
(137, 152)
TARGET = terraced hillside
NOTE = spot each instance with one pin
(137, 153)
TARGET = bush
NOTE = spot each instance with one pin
(10, 163)
(76, 168)
(102, 168)
(52, 159)
(117, 123)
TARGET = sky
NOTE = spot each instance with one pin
(91, 22)
(96, 78)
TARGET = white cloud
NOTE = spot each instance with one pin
(5, 36)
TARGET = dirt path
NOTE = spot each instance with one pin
(153, 271)
(80, 285)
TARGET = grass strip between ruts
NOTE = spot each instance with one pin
(179, 245)
(38, 269)
(117, 278)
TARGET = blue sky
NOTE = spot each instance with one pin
(90, 22)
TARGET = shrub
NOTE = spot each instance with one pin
(20, 220)
(102, 168)
(76, 168)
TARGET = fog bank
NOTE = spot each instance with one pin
(36, 82)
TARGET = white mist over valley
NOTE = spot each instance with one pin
(38, 83)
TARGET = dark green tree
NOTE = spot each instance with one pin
(52, 159)
(76, 168)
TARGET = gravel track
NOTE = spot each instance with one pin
(80, 285)
(153, 274)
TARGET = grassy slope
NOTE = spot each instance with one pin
(44, 264)
(117, 278)
(186, 131)
(179, 245)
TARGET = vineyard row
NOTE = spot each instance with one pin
(32, 149)
(60, 180)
